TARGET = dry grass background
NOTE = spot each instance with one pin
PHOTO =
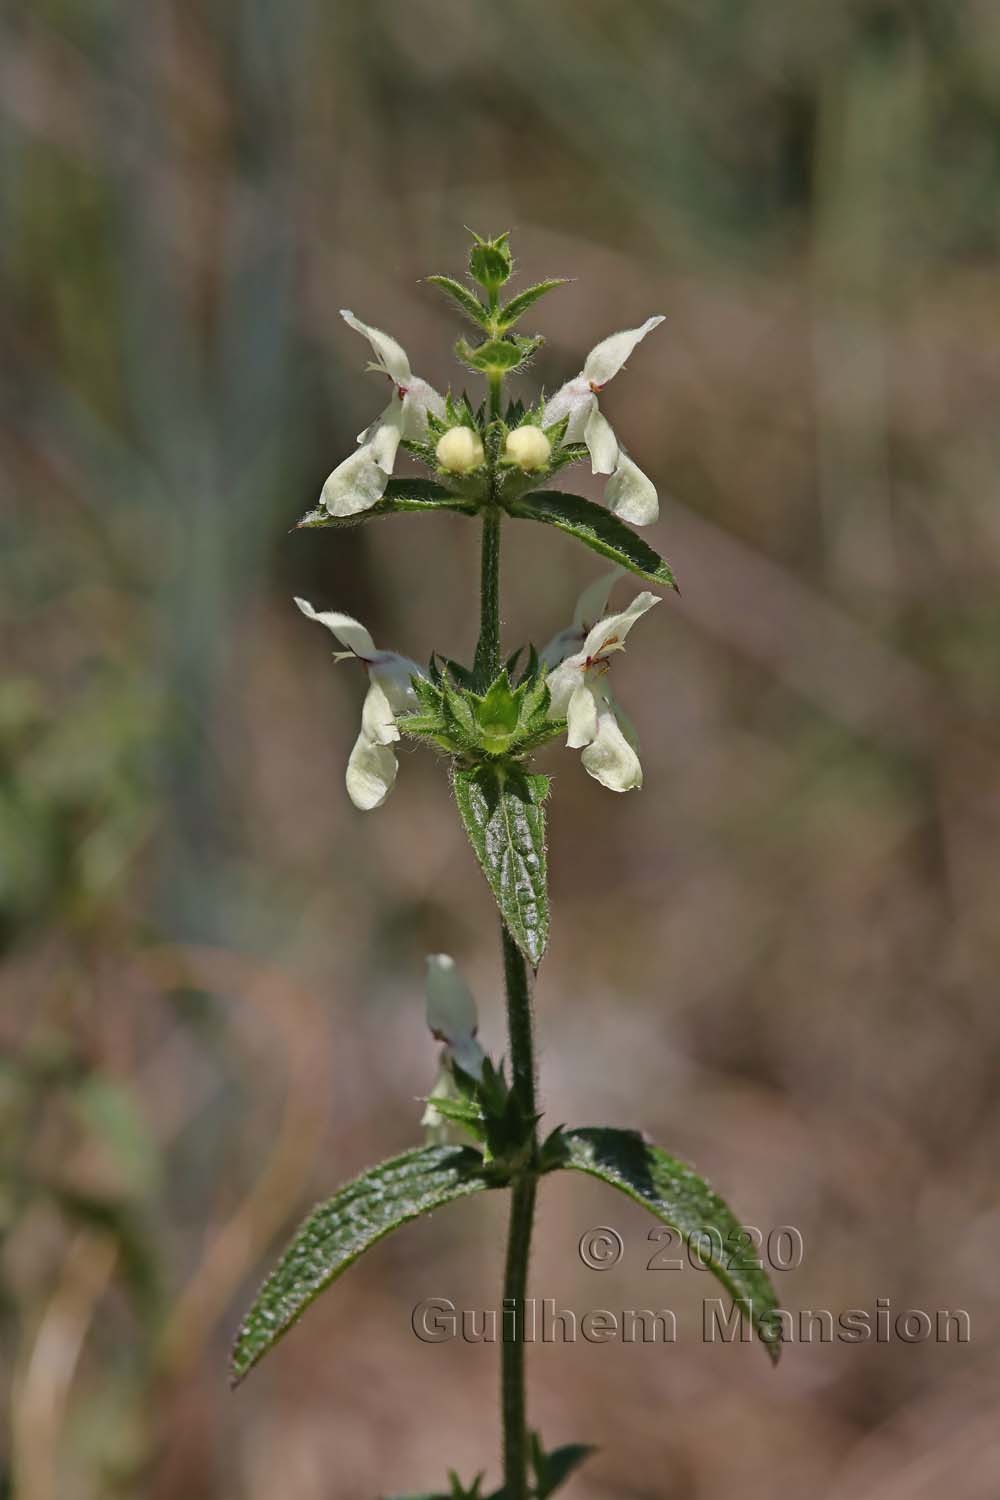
(780, 958)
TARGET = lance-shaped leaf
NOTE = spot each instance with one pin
(518, 306)
(596, 527)
(553, 1469)
(675, 1194)
(501, 807)
(348, 1224)
(400, 495)
(467, 301)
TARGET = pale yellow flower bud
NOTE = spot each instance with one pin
(460, 450)
(528, 447)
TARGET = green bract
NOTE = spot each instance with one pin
(503, 722)
(490, 261)
(499, 356)
(494, 462)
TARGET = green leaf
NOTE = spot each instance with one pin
(458, 717)
(500, 356)
(553, 1469)
(425, 452)
(349, 1223)
(492, 1113)
(518, 306)
(677, 1196)
(460, 1492)
(566, 453)
(460, 412)
(596, 527)
(462, 675)
(510, 666)
(456, 1491)
(400, 495)
(531, 668)
(501, 807)
(556, 433)
(464, 1112)
(467, 301)
(428, 693)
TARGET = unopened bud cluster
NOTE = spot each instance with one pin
(455, 441)
(488, 457)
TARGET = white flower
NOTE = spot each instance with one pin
(589, 608)
(357, 483)
(528, 447)
(451, 1013)
(461, 450)
(629, 492)
(579, 691)
(452, 1019)
(371, 767)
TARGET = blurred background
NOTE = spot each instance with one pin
(780, 958)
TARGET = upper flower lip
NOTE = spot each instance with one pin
(606, 358)
(348, 631)
(391, 358)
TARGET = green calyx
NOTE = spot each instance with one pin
(489, 1110)
(497, 723)
(490, 261)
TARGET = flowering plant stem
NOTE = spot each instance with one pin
(488, 649)
(522, 1215)
(520, 1030)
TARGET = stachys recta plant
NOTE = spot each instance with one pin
(495, 461)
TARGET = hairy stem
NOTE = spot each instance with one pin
(496, 393)
(522, 1053)
(522, 1215)
(488, 649)
(515, 1425)
(520, 1025)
